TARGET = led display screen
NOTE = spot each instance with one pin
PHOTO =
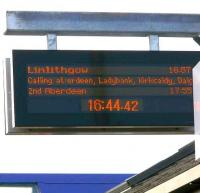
(103, 88)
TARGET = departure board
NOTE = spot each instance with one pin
(103, 88)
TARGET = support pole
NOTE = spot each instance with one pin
(52, 42)
(154, 42)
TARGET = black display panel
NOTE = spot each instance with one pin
(103, 88)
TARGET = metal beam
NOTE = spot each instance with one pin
(102, 24)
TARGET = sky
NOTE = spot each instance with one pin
(88, 153)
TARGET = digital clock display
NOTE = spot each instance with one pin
(116, 105)
(103, 88)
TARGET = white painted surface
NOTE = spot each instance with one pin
(87, 154)
(15, 190)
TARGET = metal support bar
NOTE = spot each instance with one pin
(197, 40)
(154, 42)
(52, 42)
(102, 24)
